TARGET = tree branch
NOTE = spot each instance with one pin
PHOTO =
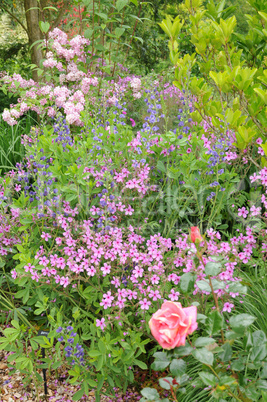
(15, 18)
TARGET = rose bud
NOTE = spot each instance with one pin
(195, 235)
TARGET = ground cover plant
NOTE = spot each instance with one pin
(133, 225)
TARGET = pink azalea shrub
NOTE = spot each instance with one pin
(64, 85)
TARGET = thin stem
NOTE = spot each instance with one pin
(190, 343)
(214, 372)
(61, 13)
(80, 17)
(199, 255)
(111, 32)
(135, 25)
(255, 163)
(93, 28)
(234, 396)
(117, 51)
(173, 394)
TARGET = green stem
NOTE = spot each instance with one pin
(199, 255)
(135, 25)
(234, 396)
(214, 372)
(173, 395)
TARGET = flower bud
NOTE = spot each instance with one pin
(195, 235)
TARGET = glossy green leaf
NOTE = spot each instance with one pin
(204, 356)
(241, 321)
(177, 367)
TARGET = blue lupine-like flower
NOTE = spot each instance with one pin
(214, 184)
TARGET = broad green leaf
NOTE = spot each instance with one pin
(262, 384)
(183, 350)
(150, 393)
(161, 361)
(100, 362)
(166, 382)
(120, 4)
(238, 365)
(201, 318)
(203, 285)
(226, 352)
(202, 341)
(259, 338)
(161, 166)
(187, 282)
(44, 26)
(212, 268)
(208, 378)
(177, 367)
(94, 353)
(241, 321)
(227, 380)
(236, 287)
(217, 284)
(214, 323)
(204, 356)
(88, 33)
(258, 353)
(140, 364)
(78, 395)
(119, 32)
(56, 365)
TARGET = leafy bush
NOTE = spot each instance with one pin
(232, 90)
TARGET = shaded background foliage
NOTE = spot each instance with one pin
(150, 52)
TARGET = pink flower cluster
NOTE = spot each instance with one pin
(7, 238)
(70, 88)
(140, 272)
(135, 84)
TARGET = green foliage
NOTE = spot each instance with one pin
(181, 199)
(190, 201)
(11, 148)
(235, 78)
(215, 355)
(14, 58)
(111, 31)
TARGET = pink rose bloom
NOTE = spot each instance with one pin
(171, 324)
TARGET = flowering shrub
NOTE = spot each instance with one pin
(64, 84)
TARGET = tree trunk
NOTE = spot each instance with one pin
(34, 33)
